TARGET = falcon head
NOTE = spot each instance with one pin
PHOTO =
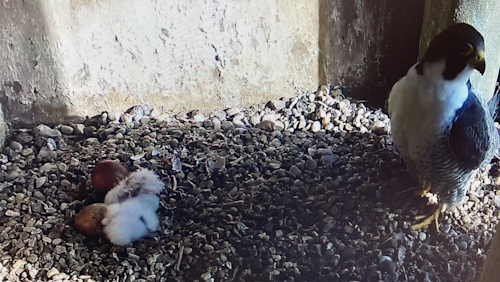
(460, 45)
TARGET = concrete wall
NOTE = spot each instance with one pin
(74, 58)
(368, 45)
(67, 59)
(29, 76)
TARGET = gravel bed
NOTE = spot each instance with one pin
(304, 189)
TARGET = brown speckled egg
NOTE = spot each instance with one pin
(107, 174)
(88, 220)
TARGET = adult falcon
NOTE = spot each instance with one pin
(444, 131)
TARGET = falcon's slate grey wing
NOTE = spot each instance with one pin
(469, 138)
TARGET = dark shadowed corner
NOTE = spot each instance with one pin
(367, 46)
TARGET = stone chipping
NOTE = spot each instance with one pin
(303, 189)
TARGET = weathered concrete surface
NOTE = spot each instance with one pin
(484, 15)
(368, 45)
(29, 78)
(75, 58)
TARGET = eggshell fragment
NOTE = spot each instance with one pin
(88, 220)
(107, 174)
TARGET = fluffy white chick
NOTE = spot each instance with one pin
(131, 207)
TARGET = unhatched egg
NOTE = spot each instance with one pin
(107, 174)
(88, 220)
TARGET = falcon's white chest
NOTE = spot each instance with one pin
(421, 107)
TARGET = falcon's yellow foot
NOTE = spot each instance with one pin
(419, 191)
(428, 219)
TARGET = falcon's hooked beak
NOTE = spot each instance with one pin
(478, 61)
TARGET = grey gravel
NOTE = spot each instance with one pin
(300, 189)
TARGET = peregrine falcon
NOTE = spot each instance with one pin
(444, 130)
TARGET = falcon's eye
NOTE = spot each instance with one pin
(466, 50)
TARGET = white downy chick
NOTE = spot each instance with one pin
(131, 207)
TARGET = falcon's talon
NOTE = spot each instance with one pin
(427, 219)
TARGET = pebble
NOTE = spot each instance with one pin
(269, 117)
(276, 105)
(324, 151)
(387, 265)
(255, 119)
(216, 123)
(316, 126)
(267, 125)
(59, 277)
(13, 175)
(238, 120)
(16, 146)
(227, 125)
(206, 276)
(422, 236)
(67, 130)
(40, 181)
(462, 246)
(445, 228)
(188, 250)
(311, 165)
(278, 126)
(62, 167)
(329, 159)
(208, 123)
(48, 167)
(312, 97)
(89, 130)
(208, 248)
(79, 128)
(46, 131)
(302, 122)
(295, 170)
(56, 241)
(231, 112)
(348, 253)
(52, 272)
(496, 201)
(379, 127)
(11, 213)
(27, 152)
(18, 264)
(279, 233)
(348, 229)
(199, 118)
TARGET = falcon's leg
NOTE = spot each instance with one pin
(428, 219)
(419, 190)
